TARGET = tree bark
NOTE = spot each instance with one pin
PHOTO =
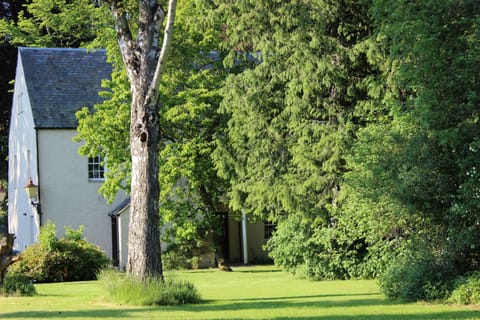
(144, 258)
(6, 257)
(144, 62)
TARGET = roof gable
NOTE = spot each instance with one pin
(61, 81)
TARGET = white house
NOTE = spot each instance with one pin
(50, 86)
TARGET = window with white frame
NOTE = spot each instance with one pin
(96, 168)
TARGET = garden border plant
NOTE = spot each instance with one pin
(70, 258)
(467, 290)
(17, 284)
(126, 289)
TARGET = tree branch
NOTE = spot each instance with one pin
(149, 27)
(167, 39)
(150, 22)
(124, 36)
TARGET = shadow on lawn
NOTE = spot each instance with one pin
(324, 305)
(85, 314)
(306, 297)
(458, 315)
(238, 307)
(128, 313)
(240, 270)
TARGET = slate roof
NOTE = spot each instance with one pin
(118, 210)
(61, 81)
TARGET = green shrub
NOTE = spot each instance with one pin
(172, 260)
(322, 253)
(467, 290)
(183, 253)
(418, 276)
(125, 289)
(71, 258)
(17, 284)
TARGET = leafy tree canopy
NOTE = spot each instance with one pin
(190, 188)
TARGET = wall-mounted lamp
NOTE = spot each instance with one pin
(32, 189)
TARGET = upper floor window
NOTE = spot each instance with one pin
(96, 168)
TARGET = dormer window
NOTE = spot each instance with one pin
(96, 169)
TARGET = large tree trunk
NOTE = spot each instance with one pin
(144, 256)
(144, 61)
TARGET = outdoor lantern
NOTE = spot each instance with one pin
(3, 194)
(31, 189)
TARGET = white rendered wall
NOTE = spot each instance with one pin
(123, 221)
(22, 218)
(68, 197)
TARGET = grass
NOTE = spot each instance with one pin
(247, 293)
(126, 289)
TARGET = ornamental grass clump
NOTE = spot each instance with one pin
(126, 289)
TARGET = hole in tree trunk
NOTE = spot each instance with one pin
(143, 136)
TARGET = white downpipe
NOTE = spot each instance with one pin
(244, 238)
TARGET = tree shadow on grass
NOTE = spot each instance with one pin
(236, 305)
(240, 270)
(130, 313)
(325, 303)
(305, 297)
(320, 305)
(84, 314)
(458, 315)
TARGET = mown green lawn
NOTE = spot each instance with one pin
(247, 293)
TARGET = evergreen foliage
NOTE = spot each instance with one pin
(356, 129)
(292, 113)
(415, 168)
(293, 116)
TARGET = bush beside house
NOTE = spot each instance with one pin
(70, 258)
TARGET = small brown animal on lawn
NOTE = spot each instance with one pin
(222, 266)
